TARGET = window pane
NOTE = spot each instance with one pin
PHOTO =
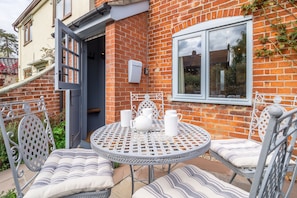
(67, 8)
(30, 31)
(227, 62)
(189, 66)
(59, 9)
(26, 34)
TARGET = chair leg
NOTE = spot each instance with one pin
(169, 168)
(292, 182)
(132, 178)
(232, 178)
(249, 180)
(151, 174)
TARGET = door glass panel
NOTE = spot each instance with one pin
(227, 62)
(68, 58)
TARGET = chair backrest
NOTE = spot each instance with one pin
(23, 124)
(140, 101)
(277, 147)
(260, 116)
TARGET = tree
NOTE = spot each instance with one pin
(8, 44)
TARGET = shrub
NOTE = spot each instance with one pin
(4, 163)
(9, 194)
(58, 128)
(59, 134)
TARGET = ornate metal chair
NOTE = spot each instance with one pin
(59, 172)
(140, 101)
(241, 155)
(277, 148)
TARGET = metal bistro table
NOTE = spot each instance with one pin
(123, 145)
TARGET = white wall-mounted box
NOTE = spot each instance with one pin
(134, 71)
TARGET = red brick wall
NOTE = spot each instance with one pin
(100, 2)
(125, 39)
(165, 18)
(275, 75)
(42, 86)
(269, 76)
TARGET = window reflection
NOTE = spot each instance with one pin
(189, 58)
(227, 62)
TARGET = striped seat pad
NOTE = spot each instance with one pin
(70, 171)
(239, 152)
(189, 181)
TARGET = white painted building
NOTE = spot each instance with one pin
(35, 27)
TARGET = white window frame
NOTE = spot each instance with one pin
(28, 32)
(202, 30)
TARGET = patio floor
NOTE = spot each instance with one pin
(122, 179)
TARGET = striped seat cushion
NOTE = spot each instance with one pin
(189, 181)
(239, 152)
(70, 171)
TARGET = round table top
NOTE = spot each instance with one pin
(123, 145)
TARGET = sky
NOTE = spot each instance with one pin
(10, 11)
